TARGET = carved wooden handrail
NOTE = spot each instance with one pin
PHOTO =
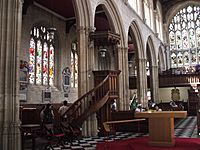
(93, 100)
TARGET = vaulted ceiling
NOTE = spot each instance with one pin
(65, 7)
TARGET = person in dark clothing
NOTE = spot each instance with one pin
(47, 117)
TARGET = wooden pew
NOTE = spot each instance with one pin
(128, 126)
(110, 125)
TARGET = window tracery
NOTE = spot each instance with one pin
(41, 57)
(184, 37)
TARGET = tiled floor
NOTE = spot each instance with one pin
(183, 128)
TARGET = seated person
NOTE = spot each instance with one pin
(157, 108)
(62, 111)
(139, 108)
(173, 104)
(134, 103)
(181, 106)
(151, 104)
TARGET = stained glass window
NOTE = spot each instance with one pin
(41, 57)
(184, 37)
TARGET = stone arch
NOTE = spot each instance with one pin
(85, 15)
(171, 12)
(153, 67)
(135, 31)
(113, 15)
(153, 55)
(161, 58)
(115, 22)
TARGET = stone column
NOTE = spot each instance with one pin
(142, 82)
(167, 55)
(82, 68)
(123, 78)
(154, 84)
(92, 120)
(82, 60)
(142, 11)
(154, 22)
(85, 80)
(10, 35)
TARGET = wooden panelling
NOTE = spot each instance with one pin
(169, 80)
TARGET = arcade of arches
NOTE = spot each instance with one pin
(53, 50)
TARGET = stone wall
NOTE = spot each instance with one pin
(37, 16)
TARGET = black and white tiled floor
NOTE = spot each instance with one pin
(186, 127)
(183, 128)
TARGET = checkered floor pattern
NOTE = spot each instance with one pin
(183, 128)
(186, 127)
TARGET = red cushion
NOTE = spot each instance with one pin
(57, 135)
(114, 145)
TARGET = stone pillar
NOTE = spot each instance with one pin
(85, 80)
(123, 79)
(82, 60)
(10, 34)
(82, 69)
(142, 82)
(167, 55)
(142, 11)
(165, 33)
(154, 84)
(154, 22)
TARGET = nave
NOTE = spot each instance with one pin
(184, 128)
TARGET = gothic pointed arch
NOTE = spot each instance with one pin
(175, 8)
(161, 59)
(152, 70)
(114, 18)
(151, 48)
(135, 31)
(184, 41)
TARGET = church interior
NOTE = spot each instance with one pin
(128, 69)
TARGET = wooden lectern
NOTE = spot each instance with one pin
(161, 126)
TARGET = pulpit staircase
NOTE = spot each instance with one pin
(92, 101)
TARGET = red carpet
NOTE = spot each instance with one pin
(142, 144)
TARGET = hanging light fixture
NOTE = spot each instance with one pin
(51, 31)
(73, 46)
(130, 64)
(102, 52)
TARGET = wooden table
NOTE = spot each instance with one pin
(29, 129)
(161, 126)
